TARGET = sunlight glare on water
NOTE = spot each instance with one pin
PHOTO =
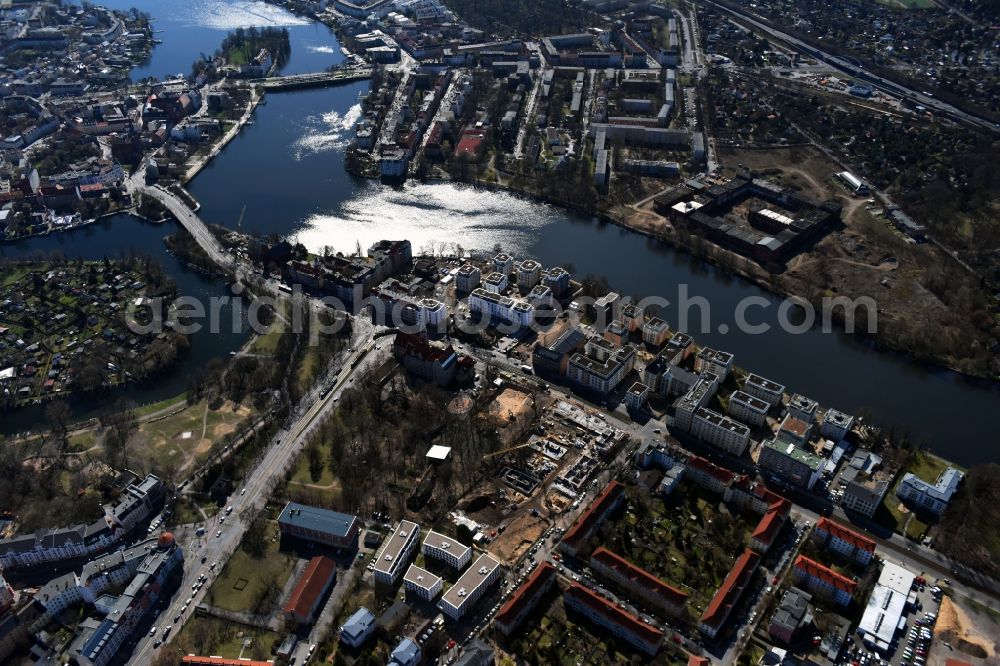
(331, 131)
(436, 217)
(228, 15)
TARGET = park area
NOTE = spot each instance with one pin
(251, 583)
(213, 636)
(182, 439)
(690, 540)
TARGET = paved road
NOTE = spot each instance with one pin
(222, 539)
(851, 68)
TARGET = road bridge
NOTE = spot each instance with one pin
(312, 80)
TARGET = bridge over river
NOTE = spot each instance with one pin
(311, 80)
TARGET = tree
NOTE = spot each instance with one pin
(58, 416)
(119, 426)
(464, 534)
(315, 463)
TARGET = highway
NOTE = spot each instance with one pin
(221, 540)
(851, 67)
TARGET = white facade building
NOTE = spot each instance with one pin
(396, 552)
(468, 589)
(720, 431)
(422, 583)
(450, 551)
(747, 408)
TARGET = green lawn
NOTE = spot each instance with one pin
(928, 467)
(268, 342)
(245, 579)
(209, 635)
(163, 443)
(13, 275)
(162, 404)
(326, 490)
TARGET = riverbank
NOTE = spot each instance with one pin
(643, 223)
(200, 163)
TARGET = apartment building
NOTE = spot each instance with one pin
(679, 347)
(803, 408)
(529, 274)
(767, 530)
(726, 598)
(490, 304)
(748, 409)
(138, 501)
(553, 358)
(845, 541)
(557, 279)
(603, 506)
(795, 430)
(655, 332)
(496, 283)
(636, 396)
(606, 310)
(836, 425)
(791, 463)
(709, 475)
(525, 598)
(616, 333)
(632, 317)
(422, 583)
(823, 581)
(862, 493)
(793, 612)
(445, 549)
(396, 552)
(468, 589)
(97, 641)
(638, 581)
(620, 623)
(598, 376)
(503, 263)
(764, 389)
(719, 363)
(720, 431)
(540, 296)
(924, 496)
(696, 398)
(467, 278)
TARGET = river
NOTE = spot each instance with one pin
(287, 168)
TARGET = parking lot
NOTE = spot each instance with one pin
(913, 642)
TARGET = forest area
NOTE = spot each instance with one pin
(374, 447)
(508, 18)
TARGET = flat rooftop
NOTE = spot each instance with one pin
(422, 578)
(405, 533)
(321, 520)
(475, 576)
(438, 540)
(766, 384)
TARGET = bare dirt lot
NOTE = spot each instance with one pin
(968, 633)
(514, 410)
(520, 534)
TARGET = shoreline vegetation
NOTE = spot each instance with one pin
(718, 257)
